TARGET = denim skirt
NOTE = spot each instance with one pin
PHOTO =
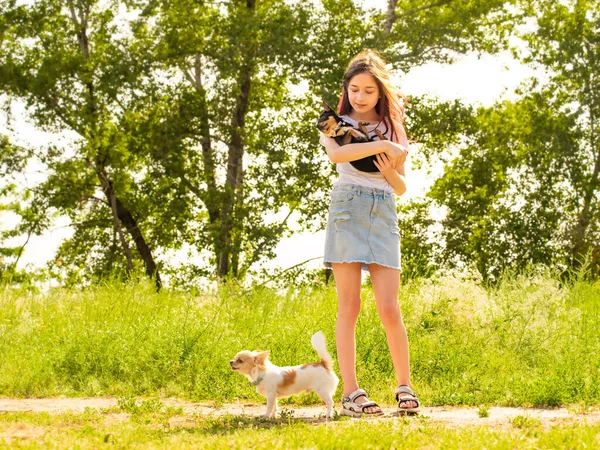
(362, 226)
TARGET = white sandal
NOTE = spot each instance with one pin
(353, 409)
(412, 397)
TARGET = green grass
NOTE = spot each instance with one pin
(483, 411)
(521, 421)
(156, 429)
(528, 341)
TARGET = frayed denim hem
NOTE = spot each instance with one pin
(364, 265)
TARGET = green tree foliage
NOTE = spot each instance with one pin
(524, 187)
(503, 192)
(71, 64)
(13, 159)
(415, 31)
(195, 120)
(419, 259)
(408, 34)
(567, 44)
(437, 127)
(228, 143)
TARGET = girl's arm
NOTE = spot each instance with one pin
(393, 175)
(351, 152)
(393, 169)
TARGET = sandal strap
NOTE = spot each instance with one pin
(411, 397)
(354, 395)
(349, 403)
(404, 389)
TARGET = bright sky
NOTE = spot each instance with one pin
(475, 80)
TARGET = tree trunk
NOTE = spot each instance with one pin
(390, 17)
(112, 200)
(580, 246)
(237, 239)
(130, 223)
(124, 216)
(234, 182)
(212, 199)
(225, 249)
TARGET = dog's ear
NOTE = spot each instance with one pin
(326, 106)
(261, 357)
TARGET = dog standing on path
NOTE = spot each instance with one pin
(274, 382)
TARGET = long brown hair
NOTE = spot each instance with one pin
(390, 105)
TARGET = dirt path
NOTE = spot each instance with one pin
(498, 416)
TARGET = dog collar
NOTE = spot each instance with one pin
(258, 380)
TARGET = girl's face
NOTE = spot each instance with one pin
(363, 92)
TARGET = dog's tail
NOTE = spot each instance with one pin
(318, 343)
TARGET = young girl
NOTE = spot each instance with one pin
(362, 226)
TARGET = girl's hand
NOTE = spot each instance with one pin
(396, 152)
(385, 164)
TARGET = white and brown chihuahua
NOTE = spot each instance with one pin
(274, 382)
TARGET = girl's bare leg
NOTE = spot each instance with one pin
(347, 281)
(386, 282)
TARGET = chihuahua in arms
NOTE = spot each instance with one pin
(344, 133)
(273, 382)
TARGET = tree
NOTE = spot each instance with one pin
(413, 32)
(13, 159)
(524, 188)
(227, 142)
(254, 53)
(69, 64)
(191, 133)
(502, 192)
(567, 43)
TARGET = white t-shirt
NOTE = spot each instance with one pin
(351, 175)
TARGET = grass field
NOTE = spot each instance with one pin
(527, 342)
(530, 341)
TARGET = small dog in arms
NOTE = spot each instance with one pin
(273, 382)
(331, 125)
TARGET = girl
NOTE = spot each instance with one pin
(362, 226)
